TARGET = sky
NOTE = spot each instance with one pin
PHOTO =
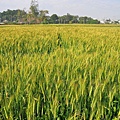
(99, 9)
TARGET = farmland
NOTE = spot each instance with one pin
(60, 72)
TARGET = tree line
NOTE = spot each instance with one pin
(36, 16)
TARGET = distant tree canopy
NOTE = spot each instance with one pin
(54, 18)
(41, 16)
(88, 20)
(34, 15)
(13, 15)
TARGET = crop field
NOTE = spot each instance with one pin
(60, 72)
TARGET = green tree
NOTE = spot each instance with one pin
(34, 8)
(69, 18)
(54, 18)
(43, 17)
(88, 20)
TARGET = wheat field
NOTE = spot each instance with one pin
(60, 72)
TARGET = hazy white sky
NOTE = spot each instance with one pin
(100, 9)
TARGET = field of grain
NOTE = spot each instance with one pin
(60, 72)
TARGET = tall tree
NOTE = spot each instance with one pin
(43, 17)
(34, 8)
(29, 17)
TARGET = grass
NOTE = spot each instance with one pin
(63, 72)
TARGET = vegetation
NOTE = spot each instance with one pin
(34, 15)
(60, 72)
(20, 16)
